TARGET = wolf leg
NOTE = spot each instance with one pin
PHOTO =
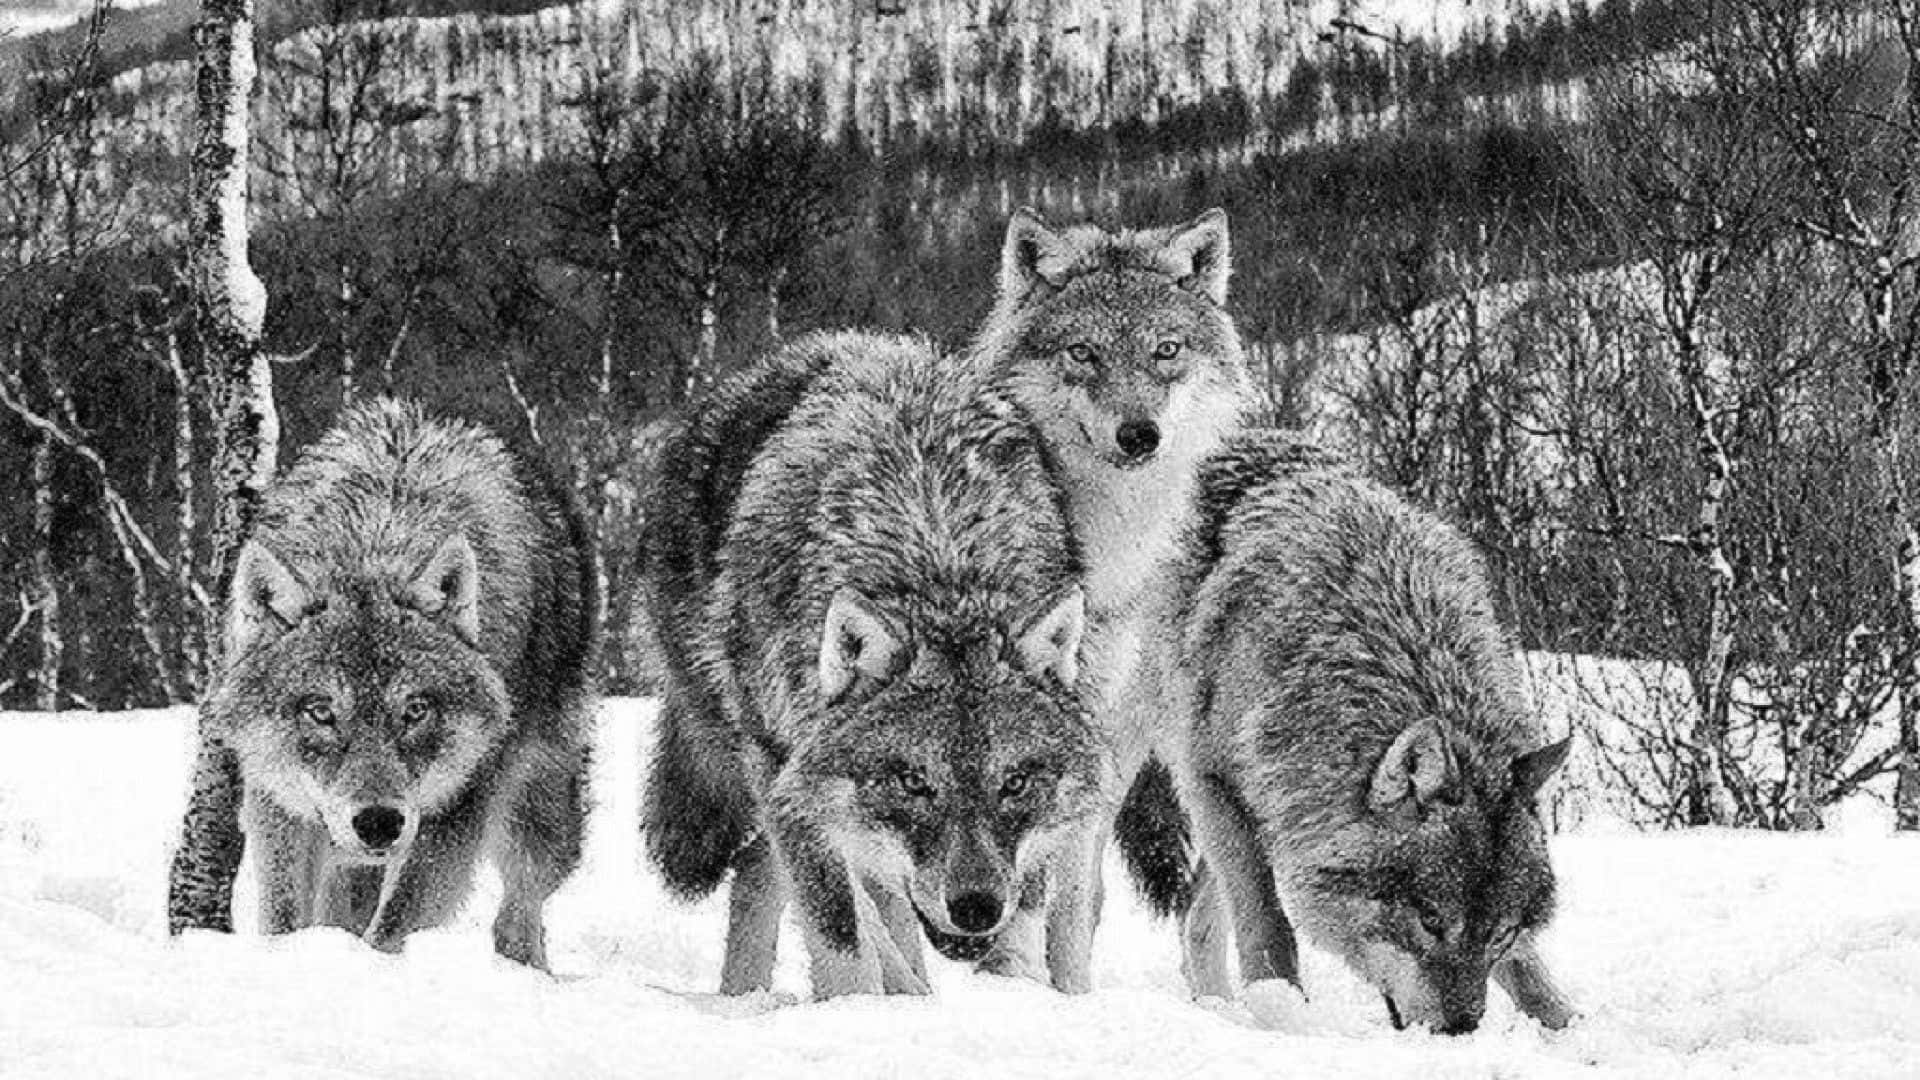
(754, 903)
(1231, 846)
(431, 881)
(1525, 978)
(539, 843)
(836, 916)
(1074, 914)
(1204, 936)
(289, 853)
(897, 938)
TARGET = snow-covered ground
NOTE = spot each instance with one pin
(1700, 954)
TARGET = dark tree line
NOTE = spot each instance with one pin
(1635, 356)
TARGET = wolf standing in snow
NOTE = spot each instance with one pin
(1358, 730)
(1120, 349)
(410, 633)
(870, 612)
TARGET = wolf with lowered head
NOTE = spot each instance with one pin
(876, 716)
(406, 679)
(1358, 737)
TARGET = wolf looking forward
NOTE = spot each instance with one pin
(1119, 347)
(1357, 731)
(869, 608)
(409, 637)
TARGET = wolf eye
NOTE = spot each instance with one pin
(1432, 921)
(1167, 349)
(317, 711)
(1015, 785)
(912, 783)
(419, 709)
(1080, 353)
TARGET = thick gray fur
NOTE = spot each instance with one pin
(1077, 334)
(876, 616)
(1358, 738)
(411, 625)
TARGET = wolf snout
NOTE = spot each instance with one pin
(975, 912)
(1137, 439)
(379, 827)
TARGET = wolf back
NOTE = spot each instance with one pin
(698, 816)
(895, 538)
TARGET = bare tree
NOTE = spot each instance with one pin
(342, 127)
(1685, 186)
(45, 181)
(231, 307)
(1840, 93)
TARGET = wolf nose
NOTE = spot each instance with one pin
(379, 826)
(974, 912)
(1137, 438)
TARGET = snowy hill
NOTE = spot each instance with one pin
(1698, 954)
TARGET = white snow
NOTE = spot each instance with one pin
(1702, 954)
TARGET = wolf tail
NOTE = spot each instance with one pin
(695, 822)
(1156, 841)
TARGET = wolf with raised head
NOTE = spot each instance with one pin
(406, 681)
(870, 614)
(1359, 738)
(1120, 349)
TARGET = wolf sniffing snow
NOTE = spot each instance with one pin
(870, 614)
(1120, 349)
(409, 640)
(1359, 736)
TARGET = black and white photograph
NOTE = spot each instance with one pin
(959, 538)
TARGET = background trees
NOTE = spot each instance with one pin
(1628, 291)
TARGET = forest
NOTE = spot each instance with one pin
(1627, 289)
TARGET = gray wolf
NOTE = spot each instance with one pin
(870, 614)
(1119, 347)
(1358, 737)
(410, 635)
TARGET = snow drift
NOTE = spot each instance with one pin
(1703, 954)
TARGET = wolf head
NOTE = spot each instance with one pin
(1440, 876)
(365, 704)
(951, 766)
(1119, 344)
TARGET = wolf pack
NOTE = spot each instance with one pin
(935, 630)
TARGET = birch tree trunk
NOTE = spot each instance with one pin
(1685, 289)
(709, 339)
(231, 304)
(47, 590)
(774, 282)
(348, 361)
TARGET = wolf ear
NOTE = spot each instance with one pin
(1418, 766)
(1049, 643)
(268, 597)
(1532, 770)
(855, 641)
(1200, 256)
(448, 588)
(1032, 255)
